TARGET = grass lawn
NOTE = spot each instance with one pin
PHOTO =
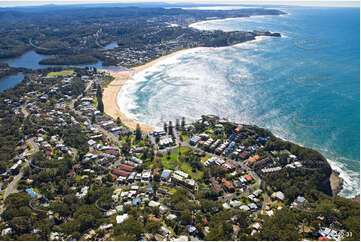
(171, 190)
(107, 81)
(205, 158)
(60, 73)
(173, 163)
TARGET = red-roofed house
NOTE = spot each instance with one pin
(156, 171)
(112, 152)
(248, 178)
(323, 238)
(154, 219)
(239, 127)
(120, 173)
(70, 174)
(244, 155)
(229, 186)
(205, 221)
(126, 167)
(253, 158)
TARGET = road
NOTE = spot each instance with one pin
(11, 188)
(109, 135)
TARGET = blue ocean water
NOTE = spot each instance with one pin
(304, 87)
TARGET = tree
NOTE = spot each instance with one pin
(282, 226)
(99, 95)
(100, 105)
(177, 124)
(118, 122)
(165, 127)
(183, 123)
(130, 229)
(138, 133)
(152, 227)
(170, 128)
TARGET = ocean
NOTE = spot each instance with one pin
(304, 87)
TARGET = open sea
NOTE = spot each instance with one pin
(304, 87)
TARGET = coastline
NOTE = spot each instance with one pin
(110, 93)
(111, 105)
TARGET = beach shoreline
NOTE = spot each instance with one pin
(110, 93)
(111, 107)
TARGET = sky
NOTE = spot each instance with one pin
(328, 3)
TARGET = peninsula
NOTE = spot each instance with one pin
(73, 167)
(68, 171)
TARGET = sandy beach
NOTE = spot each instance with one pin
(110, 93)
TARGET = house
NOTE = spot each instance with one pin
(172, 217)
(239, 128)
(226, 206)
(126, 167)
(145, 175)
(110, 213)
(191, 229)
(257, 192)
(83, 192)
(278, 195)
(149, 190)
(165, 231)
(119, 208)
(244, 208)
(154, 219)
(153, 204)
(229, 166)
(165, 175)
(248, 178)
(163, 209)
(91, 142)
(216, 185)
(190, 183)
(235, 203)
(252, 206)
(181, 173)
(299, 201)
(253, 159)
(106, 226)
(136, 201)
(194, 140)
(120, 173)
(329, 233)
(256, 226)
(121, 218)
(6, 231)
(112, 152)
(263, 162)
(228, 185)
(156, 171)
(70, 174)
(244, 155)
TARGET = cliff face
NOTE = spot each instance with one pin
(336, 183)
